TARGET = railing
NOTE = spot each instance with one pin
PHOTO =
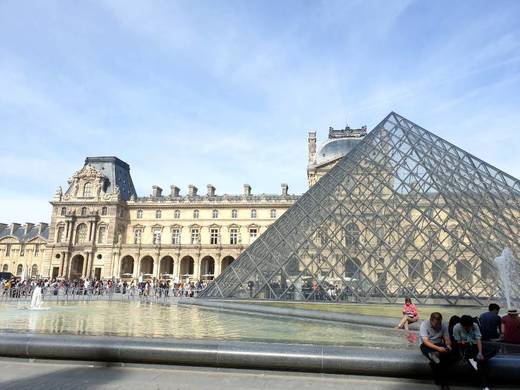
(51, 294)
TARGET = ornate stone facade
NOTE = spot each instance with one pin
(100, 228)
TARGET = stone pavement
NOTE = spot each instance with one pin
(19, 374)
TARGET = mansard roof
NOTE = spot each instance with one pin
(117, 172)
(19, 231)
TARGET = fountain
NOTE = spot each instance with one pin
(507, 272)
(36, 300)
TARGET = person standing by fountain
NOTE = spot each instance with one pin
(511, 327)
(490, 323)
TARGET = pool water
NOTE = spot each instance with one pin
(142, 319)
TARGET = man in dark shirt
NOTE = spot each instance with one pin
(490, 323)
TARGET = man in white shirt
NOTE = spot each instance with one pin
(436, 346)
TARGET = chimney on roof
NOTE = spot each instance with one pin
(14, 226)
(41, 227)
(285, 189)
(312, 147)
(211, 190)
(174, 191)
(156, 191)
(247, 190)
(192, 190)
(27, 227)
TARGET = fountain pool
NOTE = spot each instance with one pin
(141, 319)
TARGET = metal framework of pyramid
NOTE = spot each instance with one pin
(405, 213)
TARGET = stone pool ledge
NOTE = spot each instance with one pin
(237, 354)
(350, 318)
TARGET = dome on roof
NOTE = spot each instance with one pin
(335, 148)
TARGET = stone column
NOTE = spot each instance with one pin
(85, 267)
(136, 266)
(90, 235)
(159, 267)
(196, 268)
(218, 265)
(177, 267)
(90, 256)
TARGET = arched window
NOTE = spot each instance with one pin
(214, 213)
(19, 270)
(438, 270)
(34, 270)
(253, 213)
(415, 269)
(83, 211)
(177, 214)
(234, 214)
(63, 211)
(352, 268)
(139, 214)
(61, 234)
(102, 236)
(195, 213)
(273, 213)
(158, 214)
(81, 234)
(87, 189)
(462, 270)
(104, 210)
(5, 268)
(352, 235)
(486, 271)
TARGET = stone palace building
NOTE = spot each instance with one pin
(101, 228)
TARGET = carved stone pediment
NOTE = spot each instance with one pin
(89, 183)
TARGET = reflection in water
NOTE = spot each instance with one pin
(142, 319)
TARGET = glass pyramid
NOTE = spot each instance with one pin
(405, 213)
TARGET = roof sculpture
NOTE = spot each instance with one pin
(405, 213)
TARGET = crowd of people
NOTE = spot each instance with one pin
(473, 340)
(15, 287)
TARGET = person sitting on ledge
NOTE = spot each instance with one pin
(436, 346)
(468, 338)
(410, 314)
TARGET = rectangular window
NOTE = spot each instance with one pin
(137, 236)
(61, 234)
(8, 250)
(214, 214)
(233, 236)
(36, 250)
(176, 236)
(253, 233)
(22, 250)
(213, 236)
(102, 235)
(157, 236)
(195, 236)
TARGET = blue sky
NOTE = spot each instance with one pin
(225, 92)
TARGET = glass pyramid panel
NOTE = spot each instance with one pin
(405, 213)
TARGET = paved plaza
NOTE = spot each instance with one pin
(18, 374)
